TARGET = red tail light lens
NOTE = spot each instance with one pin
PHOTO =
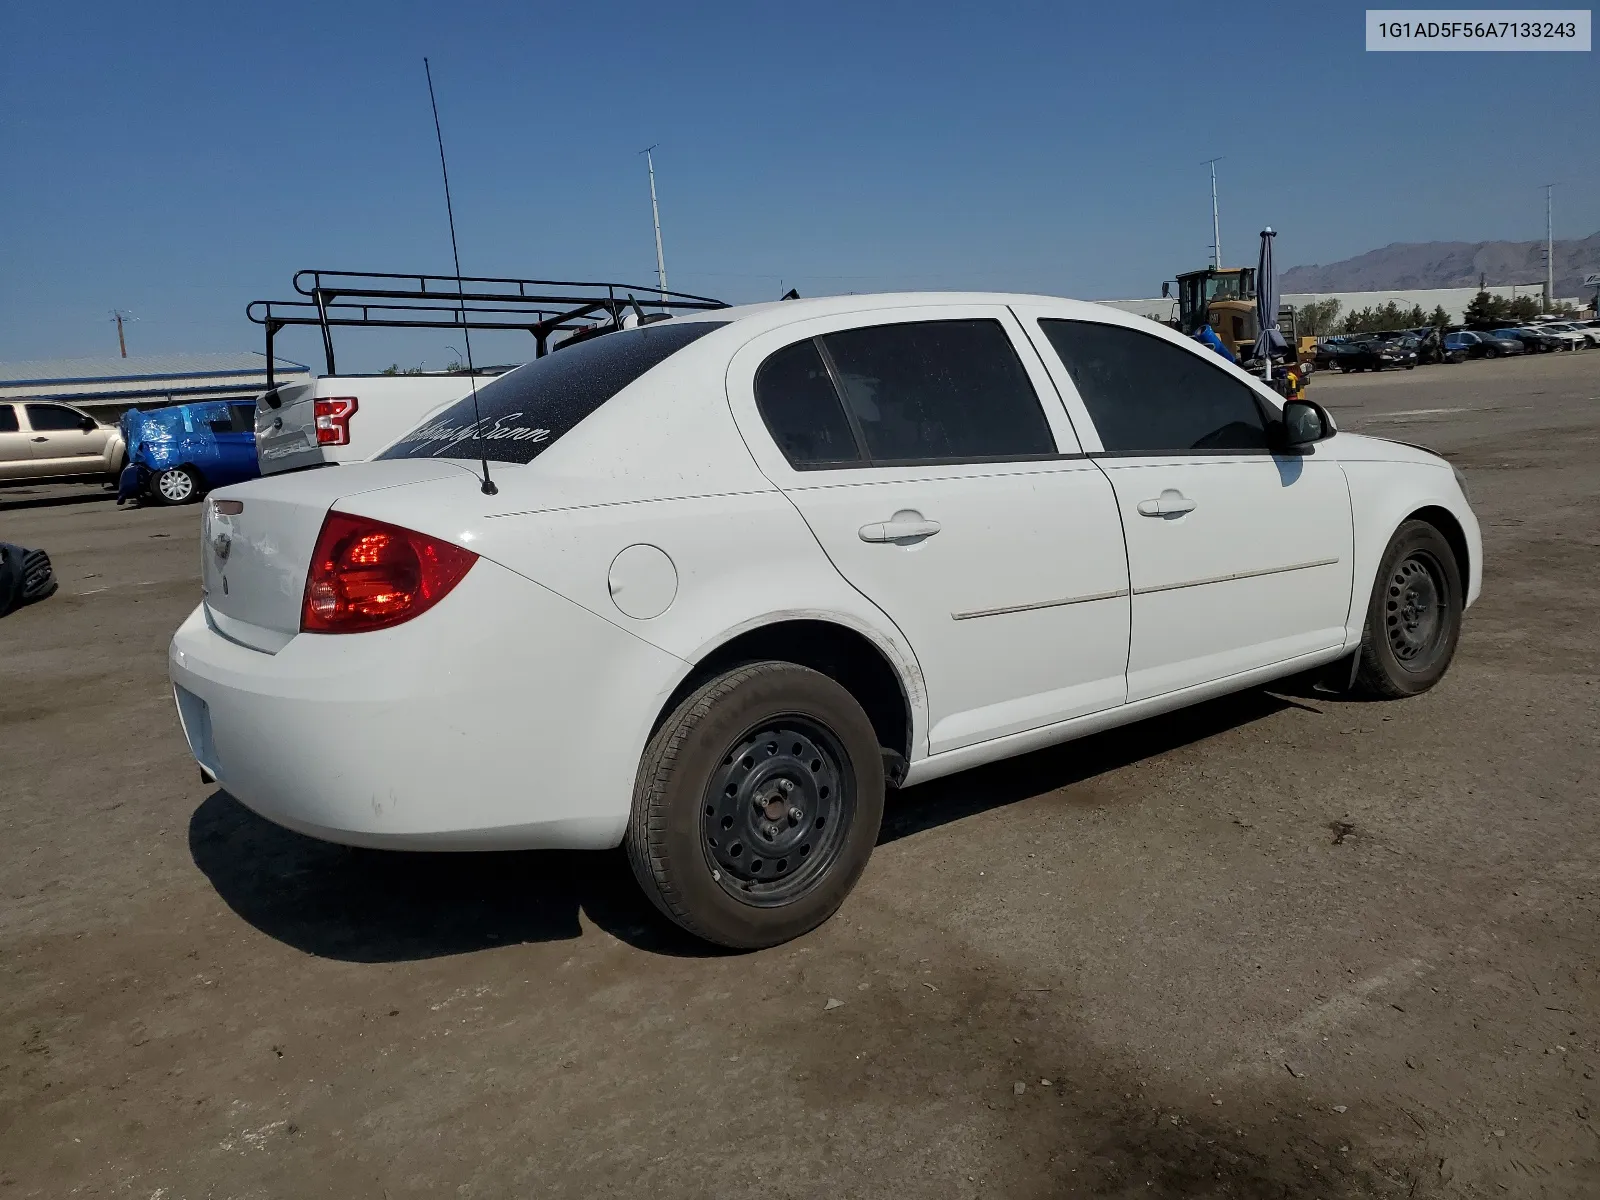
(333, 415)
(366, 575)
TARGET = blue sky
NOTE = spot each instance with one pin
(180, 160)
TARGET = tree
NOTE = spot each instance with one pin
(1318, 317)
(1523, 308)
(1486, 309)
(1438, 318)
(1560, 309)
(1388, 315)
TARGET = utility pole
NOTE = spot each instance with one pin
(1216, 226)
(1549, 253)
(655, 213)
(119, 317)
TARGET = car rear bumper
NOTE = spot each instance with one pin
(504, 718)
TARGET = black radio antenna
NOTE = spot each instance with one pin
(488, 488)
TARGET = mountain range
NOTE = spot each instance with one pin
(1405, 265)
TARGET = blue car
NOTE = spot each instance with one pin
(177, 454)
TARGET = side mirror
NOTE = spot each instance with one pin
(88, 425)
(1305, 422)
(1164, 293)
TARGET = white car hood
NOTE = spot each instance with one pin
(1358, 447)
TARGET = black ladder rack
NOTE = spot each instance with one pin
(385, 300)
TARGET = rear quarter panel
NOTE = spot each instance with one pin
(739, 561)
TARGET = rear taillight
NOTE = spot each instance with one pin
(333, 415)
(366, 574)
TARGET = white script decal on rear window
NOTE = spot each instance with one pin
(499, 430)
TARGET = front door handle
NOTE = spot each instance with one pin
(1171, 503)
(905, 526)
(41, 439)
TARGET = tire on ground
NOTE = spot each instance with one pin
(173, 495)
(1383, 670)
(667, 841)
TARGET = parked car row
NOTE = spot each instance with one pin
(1574, 335)
(170, 455)
(1474, 344)
(1367, 354)
(1390, 348)
(1407, 347)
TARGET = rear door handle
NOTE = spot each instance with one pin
(41, 439)
(1171, 503)
(902, 527)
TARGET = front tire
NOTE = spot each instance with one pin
(1414, 616)
(1491, 352)
(175, 485)
(757, 805)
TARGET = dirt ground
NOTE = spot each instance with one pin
(1279, 945)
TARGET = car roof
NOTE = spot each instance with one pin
(780, 312)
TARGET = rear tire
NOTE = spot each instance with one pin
(757, 805)
(175, 485)
(1414, 616)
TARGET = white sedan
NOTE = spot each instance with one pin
(1573, 334)
(737, 573)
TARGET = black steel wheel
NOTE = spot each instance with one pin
(1414, 616)
(777, 809)
(1414, 609)
(757, 805)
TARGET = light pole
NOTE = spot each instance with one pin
(1549, 253)
(1216, 226)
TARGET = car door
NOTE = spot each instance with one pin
(1238, 558)
(16, 450)
(61, 443)
(915, 445)
(234, 427)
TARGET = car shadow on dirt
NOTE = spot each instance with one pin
(392, 906)
(46, 494)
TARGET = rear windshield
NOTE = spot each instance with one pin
(523, 412)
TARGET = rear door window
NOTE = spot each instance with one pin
(938, 391)
(1147, 396)
(51, 417)
(526, 410)
(231, 418)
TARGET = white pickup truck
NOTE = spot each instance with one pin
(349, 418)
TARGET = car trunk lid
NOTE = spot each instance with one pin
(257, 539)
